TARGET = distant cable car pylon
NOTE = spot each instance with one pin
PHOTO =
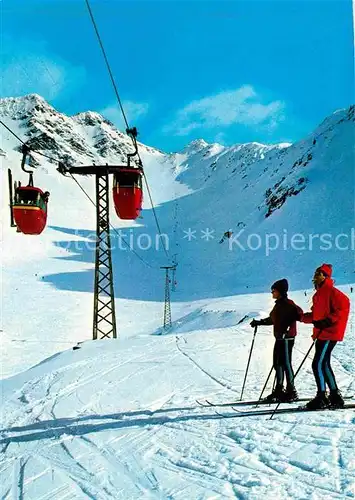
(167, 305)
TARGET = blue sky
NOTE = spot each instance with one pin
(227, 71)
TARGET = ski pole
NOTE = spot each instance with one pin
(298, 369)
(250, 353)
(267, 380)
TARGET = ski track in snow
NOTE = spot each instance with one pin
(226, 460)
(124, 455)
(209, 374)
(243, 460)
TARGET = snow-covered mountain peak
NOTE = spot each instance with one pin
(336, 118)
(23, 107)
(195, 146)
(83, 138)
(91, 118)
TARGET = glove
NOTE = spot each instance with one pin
(322, 323)
(255, 323)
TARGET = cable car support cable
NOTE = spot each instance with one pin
(131, 132)
(106, 61)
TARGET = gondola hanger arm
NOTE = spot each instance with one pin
(25, 152)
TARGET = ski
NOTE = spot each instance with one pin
(209, 404)
(299, 409)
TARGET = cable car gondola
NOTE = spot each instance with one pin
(127, 185)
(127, 192)
(30, 209)
(29, 206)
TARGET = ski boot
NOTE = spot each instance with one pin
(276, 396)
(335, 399)
(320, 402)
(290, 395)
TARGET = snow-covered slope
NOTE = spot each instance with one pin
(118, 419)
(274, 193)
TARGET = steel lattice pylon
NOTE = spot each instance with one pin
(104, 300)
(167, 307)
(104, 324)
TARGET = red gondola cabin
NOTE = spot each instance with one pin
(30, 209)
(127, 193)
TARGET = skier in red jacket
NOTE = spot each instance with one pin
(329, 315)
(283, 316)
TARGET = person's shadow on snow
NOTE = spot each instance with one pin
(49, 429)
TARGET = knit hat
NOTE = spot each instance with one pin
(326, 269)
(281, 286)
